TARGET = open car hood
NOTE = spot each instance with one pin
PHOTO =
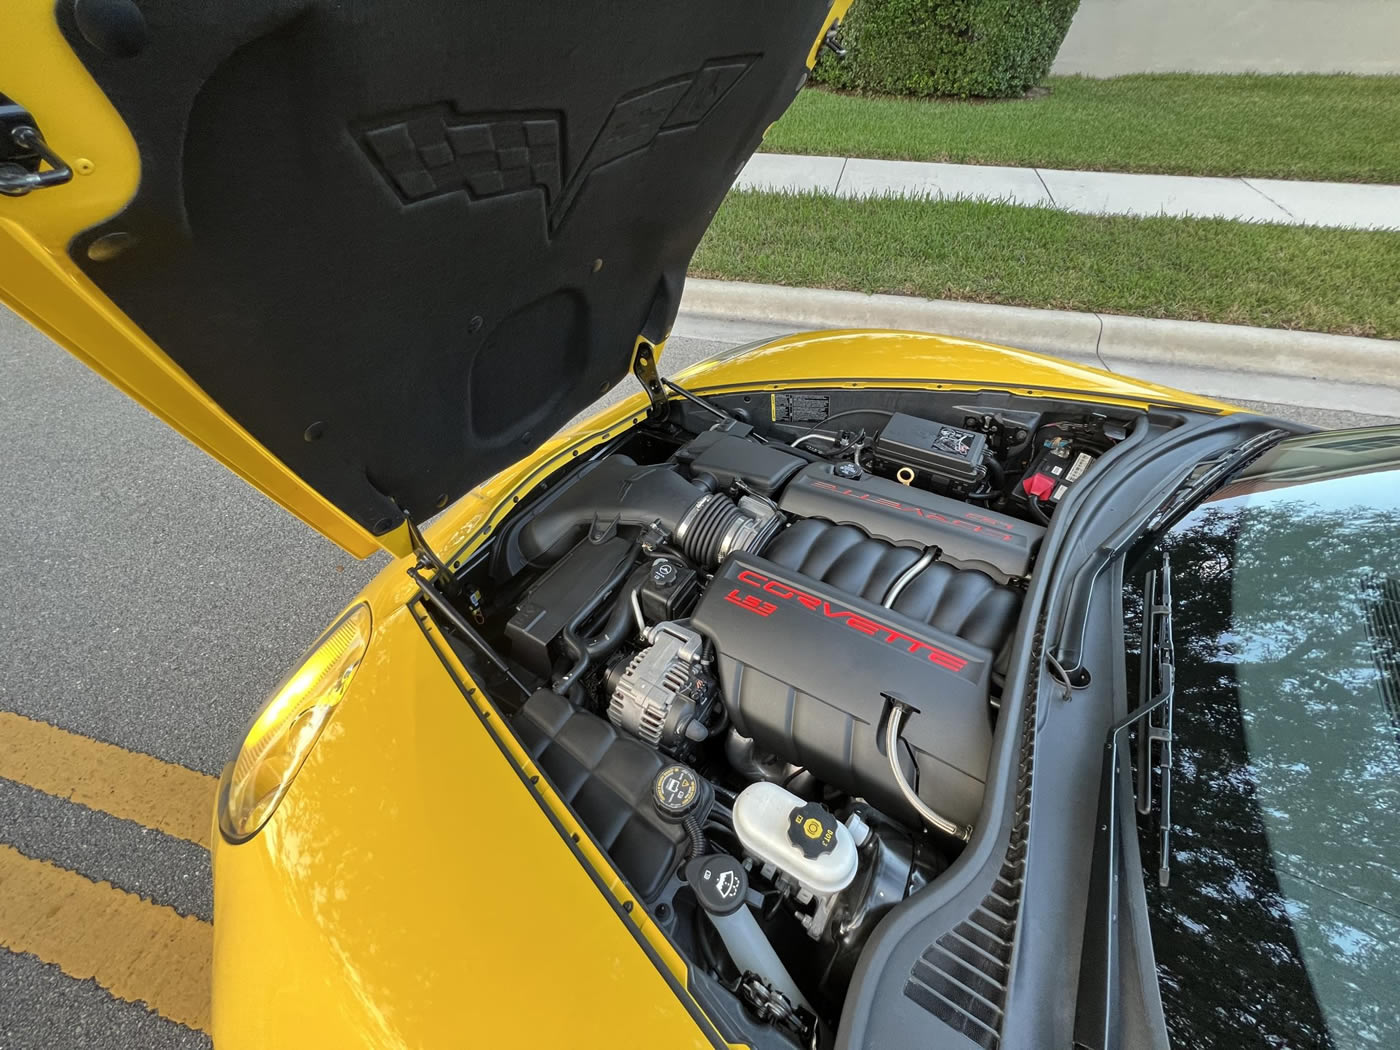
(391, 246)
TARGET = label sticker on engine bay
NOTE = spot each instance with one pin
(800, 408)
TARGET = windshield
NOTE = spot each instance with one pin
(1280, 923)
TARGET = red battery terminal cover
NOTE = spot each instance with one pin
(1039, 486)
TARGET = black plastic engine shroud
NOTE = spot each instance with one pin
(803, 667)
(969, 535)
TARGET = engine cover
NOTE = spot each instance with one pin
(971, 536)
(802, 667)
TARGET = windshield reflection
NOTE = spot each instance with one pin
(1281, 923)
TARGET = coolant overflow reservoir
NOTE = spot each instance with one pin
(803, 840)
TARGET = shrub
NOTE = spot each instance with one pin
(964, 48)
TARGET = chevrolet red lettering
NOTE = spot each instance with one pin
(852, 619)
(972, 521)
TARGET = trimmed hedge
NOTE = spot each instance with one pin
(963, 48)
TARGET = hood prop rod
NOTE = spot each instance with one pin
(710, 406)
(470, 633)
(444, 585)
(644, 367)
(427, 557)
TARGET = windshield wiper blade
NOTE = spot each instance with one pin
(1159, 656)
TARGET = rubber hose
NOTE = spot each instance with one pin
(698, 846)
(703, 931)
(573, 646)
(578, 653)
(994, 484)
(1037, 511)
(619, 622)
(804, 453)
(705, 531)
(998, 475)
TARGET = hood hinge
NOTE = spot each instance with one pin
(644, 368)
(23, 153)
(428, 559)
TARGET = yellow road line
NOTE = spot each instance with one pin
(126, 784)
(138, 951)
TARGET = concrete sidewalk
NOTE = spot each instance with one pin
(1337, 204)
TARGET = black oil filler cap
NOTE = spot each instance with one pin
(720, 883)
(812, 829)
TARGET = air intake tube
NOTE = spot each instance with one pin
(707, 526)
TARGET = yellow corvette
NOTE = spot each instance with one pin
(711, 720)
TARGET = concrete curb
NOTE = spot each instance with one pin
(1108, 337)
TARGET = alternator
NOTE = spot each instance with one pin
(663, 695)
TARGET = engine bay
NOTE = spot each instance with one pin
(761, 657)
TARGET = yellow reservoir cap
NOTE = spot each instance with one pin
(287, 726)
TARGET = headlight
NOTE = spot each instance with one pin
(285, 729)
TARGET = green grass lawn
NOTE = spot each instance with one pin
(1334, 128)
(1192, 269)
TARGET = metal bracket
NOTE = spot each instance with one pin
(23, 152)
(428, 559)
(644, 368)
(829, 41)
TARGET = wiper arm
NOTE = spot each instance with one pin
(1185, 495)
(1159, 654)
(1097, 1020)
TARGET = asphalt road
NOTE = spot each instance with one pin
(150, 599)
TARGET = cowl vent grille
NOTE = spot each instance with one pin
(962, 977)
